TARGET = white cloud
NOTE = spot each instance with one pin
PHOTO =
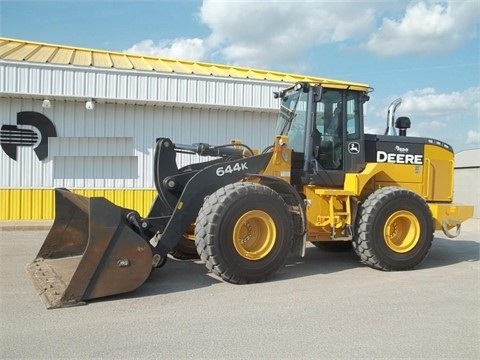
(283, 35)
(427, 103)
(191, 49)
(433, 128)
(257, 33)
(453, 117)
(427, 27)
(373, 129)
(267, 33)
(473, 137)
(278, 35)
(450, 117)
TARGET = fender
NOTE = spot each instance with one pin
(293, 199)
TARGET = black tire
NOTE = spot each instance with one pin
(333, 246)
(186, 249)
(244, 232)
(393, 229)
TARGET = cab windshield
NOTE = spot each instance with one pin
(291, 118)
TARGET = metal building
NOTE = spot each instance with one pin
(87, 120)
(467, 173)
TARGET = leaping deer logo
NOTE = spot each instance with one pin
(353, 148)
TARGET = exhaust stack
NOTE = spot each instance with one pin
(391, 117)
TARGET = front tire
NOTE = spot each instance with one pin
(244, 232)
(394, 229)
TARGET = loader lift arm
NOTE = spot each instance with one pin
(181, 192)
(96, 248)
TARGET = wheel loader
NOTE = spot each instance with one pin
(244, 211)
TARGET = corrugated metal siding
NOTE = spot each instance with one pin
(110, 149)
(27, 171)
(94, 171)
(20, 50)
(39, 204)
(112, 86)
(19, 204)
(466, 190)
(90, 146)
(112, 146)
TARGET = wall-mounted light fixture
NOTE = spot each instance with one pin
(90, 104)
(46, 104)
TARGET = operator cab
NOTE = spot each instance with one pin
(325, 131)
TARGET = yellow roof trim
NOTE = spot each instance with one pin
(43, 54)
(62, 57)
(82, 58)
(21, 50)
(139, 63)
(121, 61)
(101, 60)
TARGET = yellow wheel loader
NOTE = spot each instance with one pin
(323, 180)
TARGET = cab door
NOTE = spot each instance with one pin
(354, 142)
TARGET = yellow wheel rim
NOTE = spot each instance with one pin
(254, 235)
(402, 231)
(190, 234)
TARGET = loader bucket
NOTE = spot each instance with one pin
(90, 252)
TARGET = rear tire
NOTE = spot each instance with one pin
(394, 229)
(244, 232)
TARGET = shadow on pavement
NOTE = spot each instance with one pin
(179, 276)
(446, 252)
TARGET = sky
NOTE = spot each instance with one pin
(423, 51)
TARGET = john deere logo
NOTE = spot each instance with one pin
(11, 136)
(354, 148)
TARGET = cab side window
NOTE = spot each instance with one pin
(329, 123)
(353, 117)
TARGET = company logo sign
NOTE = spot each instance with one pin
(12, 136)
(384, 157)
(354, 148)
(401, 156)
(401, 149)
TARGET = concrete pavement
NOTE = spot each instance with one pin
(20, 225)
(323, 306)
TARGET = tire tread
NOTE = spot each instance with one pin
(363, 241)
(207, 223)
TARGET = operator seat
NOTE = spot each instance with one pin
(331, 145)
(316, 142)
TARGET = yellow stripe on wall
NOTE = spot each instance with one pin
(39, 204)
